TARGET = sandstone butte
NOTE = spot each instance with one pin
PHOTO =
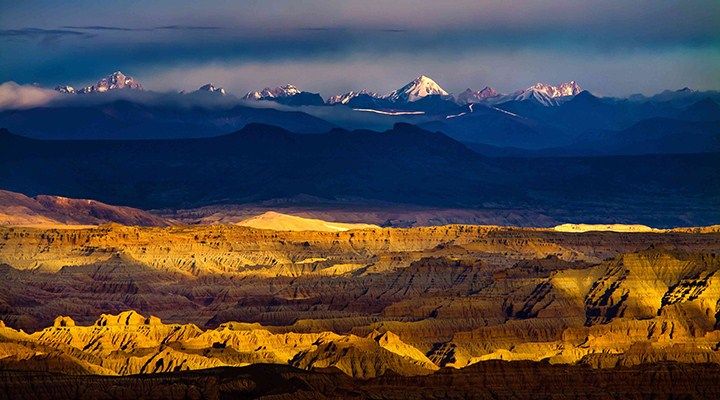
(365, 301)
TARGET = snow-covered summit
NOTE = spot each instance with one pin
(545, 94)
(271, 93)
(114, 81)
(212, 89)
(564, 89)
(421, 87)
(538, 96)
(346, 97)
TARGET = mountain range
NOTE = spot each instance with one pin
(129, 118)
(114, 81)
(421, 87)
(404, 165)
(541, 120)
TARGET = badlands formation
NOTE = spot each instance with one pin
(122, 300)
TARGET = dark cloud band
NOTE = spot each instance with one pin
(39, 32)
(157, 28)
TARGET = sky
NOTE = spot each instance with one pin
(612, 48)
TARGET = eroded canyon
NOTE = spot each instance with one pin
(120, 300)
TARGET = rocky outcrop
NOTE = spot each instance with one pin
(129, 343)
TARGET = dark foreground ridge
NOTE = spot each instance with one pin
(485, 380)
(405, 165)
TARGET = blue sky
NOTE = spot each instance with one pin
(610, 47)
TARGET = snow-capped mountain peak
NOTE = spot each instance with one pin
(282, 91)
(564, 89)
(254, 95)
(545, 94)
(116, 80)
(420, 87)
(212, 89)
(271, 93)
(346, 97)
(537, 95)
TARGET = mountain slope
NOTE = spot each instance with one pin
(417, 89)
(256, 163)
(706, 109)
(301, 99)
(402, 165)
(561, 90)
(19, 210)
(478, 123)
(210, 88)
(288, 95)
(346, 97)
(471, 96)
(125, 119)
(587, 112)
(654, 136)
(272, 93)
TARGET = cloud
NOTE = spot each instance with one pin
(187, 28)
(128, 29)
(14, 96)
(471, 43)
(344, 29)
(45, 36)
(35, 32)
(103, 28)
(607, 23)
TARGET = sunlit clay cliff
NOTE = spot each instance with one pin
(283, 222)
(121, 300)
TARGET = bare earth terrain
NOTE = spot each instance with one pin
(119, 300)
